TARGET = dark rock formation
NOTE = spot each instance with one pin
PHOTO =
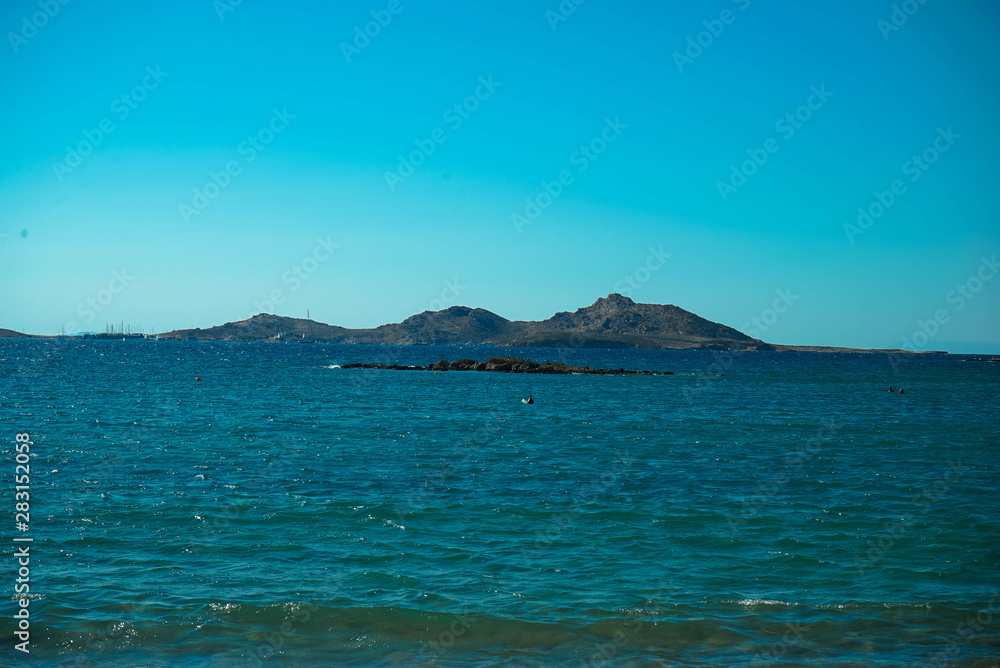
(508, 365)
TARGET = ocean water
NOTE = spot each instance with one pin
(750, 510)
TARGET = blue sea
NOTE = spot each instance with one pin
(755, 509)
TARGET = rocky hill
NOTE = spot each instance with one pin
(457, 325)
(618, 322)
(11, 334)
(265, 327)
(610, 322)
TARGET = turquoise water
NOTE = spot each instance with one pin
(751, 510)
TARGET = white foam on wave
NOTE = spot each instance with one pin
(753, 602)
(332, 366)
(847, 605)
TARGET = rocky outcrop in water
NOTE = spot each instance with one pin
(509, 365)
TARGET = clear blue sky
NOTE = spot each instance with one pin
(70, 223)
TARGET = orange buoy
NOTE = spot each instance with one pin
(198, 378)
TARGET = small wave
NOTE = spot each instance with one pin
(846, 605)
(16, 597)
(754, 602)
(332, 366)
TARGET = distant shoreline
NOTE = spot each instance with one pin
(775, 348)
(612, 322)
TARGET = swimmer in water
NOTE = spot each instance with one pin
(529, 400)
(890, 388)
(900, 390)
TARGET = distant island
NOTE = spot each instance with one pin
(11, 334)
(614, 321)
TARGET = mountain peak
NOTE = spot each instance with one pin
(615, 298)
(613, 303)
